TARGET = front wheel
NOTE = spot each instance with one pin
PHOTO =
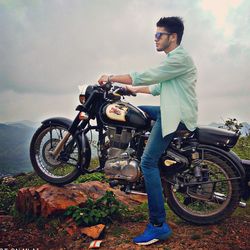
(209, 202)
(55, 170)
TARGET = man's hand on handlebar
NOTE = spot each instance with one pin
(103, 80)
(106, 83)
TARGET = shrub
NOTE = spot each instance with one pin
(91, 177)
(7, 198)
(103, 210)
(242, 148)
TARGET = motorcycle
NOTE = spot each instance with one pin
(203, 180)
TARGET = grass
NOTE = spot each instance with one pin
(241, 212)
(242, 148)
(137, 214)
(117, 231)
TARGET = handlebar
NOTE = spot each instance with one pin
(117, 90)
(107, 86)
(123, 91)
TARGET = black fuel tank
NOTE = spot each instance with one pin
(124, 114)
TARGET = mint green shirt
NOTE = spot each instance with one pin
(174, 80)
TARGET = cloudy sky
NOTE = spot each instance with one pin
(49, 47)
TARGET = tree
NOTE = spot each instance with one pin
(232, 124)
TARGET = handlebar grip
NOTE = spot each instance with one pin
(107, 86)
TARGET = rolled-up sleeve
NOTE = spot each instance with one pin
(155, 89)
(173, 66)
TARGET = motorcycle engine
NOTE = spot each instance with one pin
(120, 164)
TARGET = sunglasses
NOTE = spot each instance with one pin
(159, 34)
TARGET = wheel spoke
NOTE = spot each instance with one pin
(47, 163)
(200, 199)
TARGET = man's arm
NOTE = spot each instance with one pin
(142, 89)
(125, 79)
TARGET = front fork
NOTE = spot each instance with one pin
(60, 145)
(71, 131)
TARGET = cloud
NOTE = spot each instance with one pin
(48, 48)
(220, 11)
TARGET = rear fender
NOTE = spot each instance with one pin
(81, 138)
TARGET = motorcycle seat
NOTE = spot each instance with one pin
(217, 136)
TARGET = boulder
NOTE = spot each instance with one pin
(48, 200)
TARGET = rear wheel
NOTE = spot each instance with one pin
(209, 202)
(55, 170)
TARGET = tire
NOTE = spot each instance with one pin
(208, 208)
(55, 170)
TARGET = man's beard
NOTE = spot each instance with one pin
(164, 47)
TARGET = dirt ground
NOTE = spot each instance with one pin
(233, 233)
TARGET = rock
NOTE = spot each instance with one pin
(48, 200)
(94, 231)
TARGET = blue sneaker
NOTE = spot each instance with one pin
(153, 234)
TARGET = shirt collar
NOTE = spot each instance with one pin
(174, 50)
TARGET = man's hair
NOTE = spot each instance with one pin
(172, 25)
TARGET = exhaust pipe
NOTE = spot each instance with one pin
(136, 192)
(222, 197)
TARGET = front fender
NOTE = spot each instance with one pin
(58, 120)
(81, 138)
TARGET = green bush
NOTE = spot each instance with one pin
(242, 148)
(7, 198)
(91, 177)
(29, 180)
(103, 210)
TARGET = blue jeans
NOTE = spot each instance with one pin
(155, 146)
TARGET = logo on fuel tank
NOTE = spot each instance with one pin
(116, 112)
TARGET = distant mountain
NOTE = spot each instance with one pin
(25, 122)
(246, 128)
(14, 148)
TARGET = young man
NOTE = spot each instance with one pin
(174, 80)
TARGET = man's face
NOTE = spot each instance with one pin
(163, 42)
